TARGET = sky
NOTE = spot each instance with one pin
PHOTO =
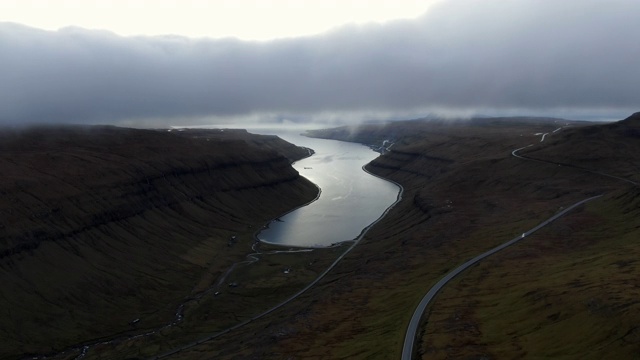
(159, 63)
(243, 19)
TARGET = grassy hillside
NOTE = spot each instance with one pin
(611, 148)
(106, 230)
(567, 291)
(464, 194)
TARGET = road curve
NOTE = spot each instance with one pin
(515, 153)
(407, 349)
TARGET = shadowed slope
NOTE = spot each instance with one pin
(101, 226)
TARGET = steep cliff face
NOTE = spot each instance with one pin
(101, 225)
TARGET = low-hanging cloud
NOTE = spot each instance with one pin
(461, 55)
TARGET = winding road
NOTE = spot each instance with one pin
(412, 329)
(515, 153)
(407, 349)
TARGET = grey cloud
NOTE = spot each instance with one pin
(537, 55)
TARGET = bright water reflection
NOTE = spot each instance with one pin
(351, 199)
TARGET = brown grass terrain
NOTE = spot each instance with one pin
(571, 290)
(611, 148)
(567, 291)
(464, 194)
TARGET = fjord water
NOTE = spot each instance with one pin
(350, 198)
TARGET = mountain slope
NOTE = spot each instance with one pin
(612, 148)
(100, 226)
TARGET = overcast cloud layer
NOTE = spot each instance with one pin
(536, 56)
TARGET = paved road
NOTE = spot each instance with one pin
(515, 153)
(407, 349)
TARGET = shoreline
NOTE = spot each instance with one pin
(355, 241)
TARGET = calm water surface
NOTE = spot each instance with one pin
(351, 199)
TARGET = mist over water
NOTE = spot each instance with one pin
(351, 199)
